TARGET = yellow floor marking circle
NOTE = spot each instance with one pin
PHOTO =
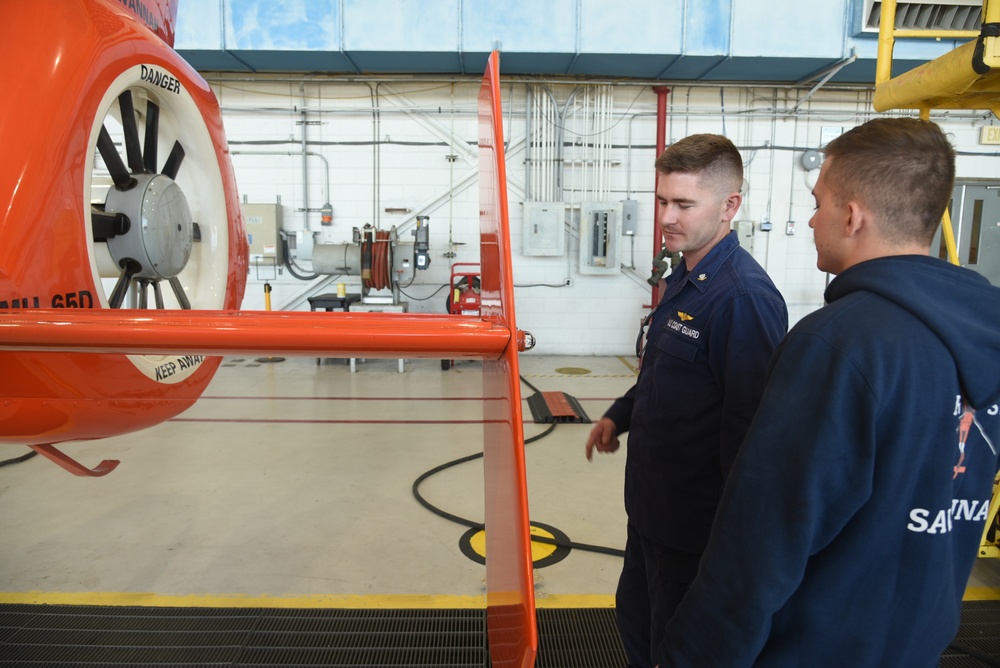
(473, 545)
(477, 542)
(540, 551)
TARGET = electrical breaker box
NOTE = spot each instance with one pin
(263, 222)
(544, 229)
(600, 232)
(630, 217)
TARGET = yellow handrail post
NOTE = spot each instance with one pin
(949, 238)
(991, 11)
(886, 41)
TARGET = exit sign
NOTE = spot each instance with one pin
(990, 135)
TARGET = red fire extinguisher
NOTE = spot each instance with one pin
(463, 296)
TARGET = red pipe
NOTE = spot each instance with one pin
(661, 144)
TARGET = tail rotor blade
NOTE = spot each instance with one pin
(158, 295)
(106, 226)
(121, 287)
(179, 293)
(152, 136)
(132, 148)
(109, 152)
(174, 160)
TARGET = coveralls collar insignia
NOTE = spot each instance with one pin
(701, 275)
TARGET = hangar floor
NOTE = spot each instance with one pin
(289, 485)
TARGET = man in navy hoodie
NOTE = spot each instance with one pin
(852, 515)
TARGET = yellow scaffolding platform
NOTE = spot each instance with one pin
(967, 77)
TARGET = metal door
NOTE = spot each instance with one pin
(975, 215)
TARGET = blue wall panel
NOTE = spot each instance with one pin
(521, 25)
(391, 25)
(632, 27)
(287, 25)
(671, 40)
(706, 27)
(790, 29)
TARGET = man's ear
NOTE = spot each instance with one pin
(731, 205)
(858, 218)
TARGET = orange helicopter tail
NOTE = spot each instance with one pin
(510, 590)
(160, 16)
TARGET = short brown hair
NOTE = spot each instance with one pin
(903, 169)
(712, 156)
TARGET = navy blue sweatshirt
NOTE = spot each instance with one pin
(851, 519)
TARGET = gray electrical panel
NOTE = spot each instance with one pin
(544, 229)
(744, 230)
(263, 222)
(630, 217)
(600, 230)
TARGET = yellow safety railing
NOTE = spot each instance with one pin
(965, 78)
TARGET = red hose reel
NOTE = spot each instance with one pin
(376, 259)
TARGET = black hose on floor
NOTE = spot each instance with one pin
(479, 525)
(18, 460)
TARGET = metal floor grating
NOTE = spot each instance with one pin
(38, 635)
(978, 636)
(57, 636)
(578, 638)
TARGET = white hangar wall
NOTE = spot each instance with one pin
(383, 151)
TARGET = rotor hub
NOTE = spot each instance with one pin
(161, 236)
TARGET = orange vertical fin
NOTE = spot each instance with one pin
(510, 597)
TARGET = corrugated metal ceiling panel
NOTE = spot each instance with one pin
(927, 15)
